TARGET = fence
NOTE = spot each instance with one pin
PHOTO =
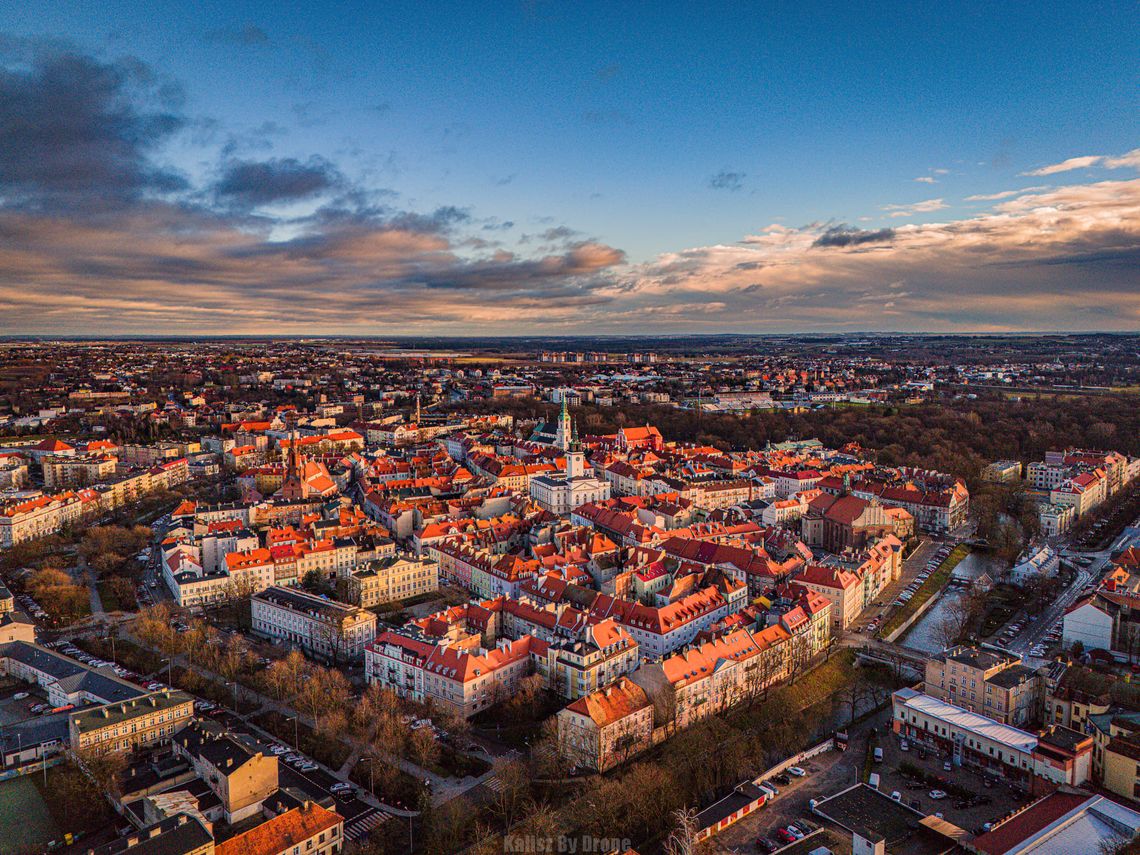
(796, 759)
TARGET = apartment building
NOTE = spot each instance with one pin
(147, 720)
(994, 684)
(712, 676)
(389, 579)
(460, 678)
(64, 472)
(606, 727)
(242, 779)
(600, 655)
(319, 626)
(306, 830)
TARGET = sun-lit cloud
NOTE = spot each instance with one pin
(1003, 194)
(98, 233)
(925, 207)
(1129, 159)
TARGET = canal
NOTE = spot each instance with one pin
(924, 634)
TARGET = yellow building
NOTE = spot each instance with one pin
(146, 720)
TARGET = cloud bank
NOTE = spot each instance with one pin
(99, 235)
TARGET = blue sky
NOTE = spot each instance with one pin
(650, 128)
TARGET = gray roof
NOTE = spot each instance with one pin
(174, 836)
(72, 675)
(33, 731)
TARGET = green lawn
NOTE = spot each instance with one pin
(24, 817)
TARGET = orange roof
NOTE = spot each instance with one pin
(283, 832)
(606, 706)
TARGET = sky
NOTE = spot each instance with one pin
(567, 168)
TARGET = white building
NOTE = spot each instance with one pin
(561, 494)
(320, 626)
(1089, 624)
(1040, 562)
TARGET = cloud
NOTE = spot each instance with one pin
(77, 133)
(924, 207)
(844, 236)
(1003, 194)
(1049, 260)
(252, 184)
(1129, 159)
(926, 179)
(727, 180)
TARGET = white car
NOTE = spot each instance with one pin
(937, 794)
(796, 770)
(278, 750)
(19, 696)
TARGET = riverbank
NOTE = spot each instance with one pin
(905, 616)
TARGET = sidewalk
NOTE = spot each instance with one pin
(442, 789)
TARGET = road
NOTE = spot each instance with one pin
(913, 565)
(1033, 631)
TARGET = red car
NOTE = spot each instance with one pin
(784, 836)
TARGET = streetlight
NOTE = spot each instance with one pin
(169, 664)
(296, 741)
(371, 787)
(234, 684)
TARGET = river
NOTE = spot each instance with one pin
(923, 635)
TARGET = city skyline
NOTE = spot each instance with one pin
(548, 171)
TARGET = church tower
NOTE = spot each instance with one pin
(562, 436)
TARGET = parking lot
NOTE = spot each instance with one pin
(826, 774)
(989, 802)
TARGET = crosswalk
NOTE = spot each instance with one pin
(494, 784)
(364, 824)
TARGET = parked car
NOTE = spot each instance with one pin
(797, 771)
(896, 796)
(19, 696)
(784, 836)
(937, 794)
(796, 833)
(308, 766)
(765, 845)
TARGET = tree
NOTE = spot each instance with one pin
(425, 747)
(682, 839)
(513, 790)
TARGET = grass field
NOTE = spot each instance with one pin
(24, 817)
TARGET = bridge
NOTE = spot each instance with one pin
(895, 655)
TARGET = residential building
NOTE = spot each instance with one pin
(606, 727)
(147, 720)
(321, 627)
(241, 778)
(306, 830)
(994, 684)
(463, 679)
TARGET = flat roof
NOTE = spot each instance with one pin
(871, 814)
(979, 725)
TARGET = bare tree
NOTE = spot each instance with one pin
(682, 839)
